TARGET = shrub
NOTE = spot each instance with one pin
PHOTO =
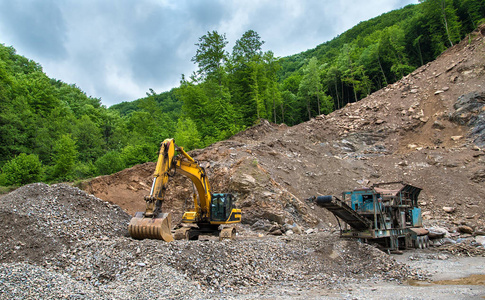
(110, 163)
(84, 170)
(23, 169)
(65, 158)
(138, 154)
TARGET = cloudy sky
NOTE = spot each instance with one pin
(117, 49)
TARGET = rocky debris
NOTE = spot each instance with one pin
(60, 242)
(39, 220)
(463, 248)
(470, 111)
(458, 240)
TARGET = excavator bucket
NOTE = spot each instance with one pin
(157, 227)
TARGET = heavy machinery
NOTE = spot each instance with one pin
(388, 217)
(211, 212)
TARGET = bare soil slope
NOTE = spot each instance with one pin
(428, 130)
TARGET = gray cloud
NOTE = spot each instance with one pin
(40, 26)
(117, 50)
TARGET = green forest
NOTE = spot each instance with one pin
(52, 131)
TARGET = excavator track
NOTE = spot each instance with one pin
(182, 233)
(227, 233)
(157, 227)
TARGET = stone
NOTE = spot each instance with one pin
(296, 229)
(276, 232)
(480, 239)
(310, 230)
(438, 125)
(448, 209)
(465, 229)
(263, 225)
(447, 241)
(437, 232)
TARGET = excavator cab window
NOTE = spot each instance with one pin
(220, 207)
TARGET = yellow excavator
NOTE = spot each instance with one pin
(211, 213)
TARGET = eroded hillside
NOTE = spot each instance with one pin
(428, 130)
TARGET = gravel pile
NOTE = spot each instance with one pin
(60, 242)
(39, 220)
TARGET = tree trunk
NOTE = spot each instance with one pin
(282, 112)
(420, 54)
(382, 70)
(308, 109)
(443, 5)
(343, 95)
(318, 102)
(274, 107)
(336, 93)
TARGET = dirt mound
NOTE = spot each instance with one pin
(125, 188)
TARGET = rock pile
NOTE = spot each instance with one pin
(458, 239)
(60, 242)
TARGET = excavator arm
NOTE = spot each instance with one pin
(164, 164)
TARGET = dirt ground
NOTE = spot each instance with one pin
(449, 280)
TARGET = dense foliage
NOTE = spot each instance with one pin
(52, 131)
(378, 52)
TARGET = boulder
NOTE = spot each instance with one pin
(469, 110)
(437, 232)
(261, 224)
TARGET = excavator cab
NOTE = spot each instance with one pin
(223, 209)
(221, 205)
